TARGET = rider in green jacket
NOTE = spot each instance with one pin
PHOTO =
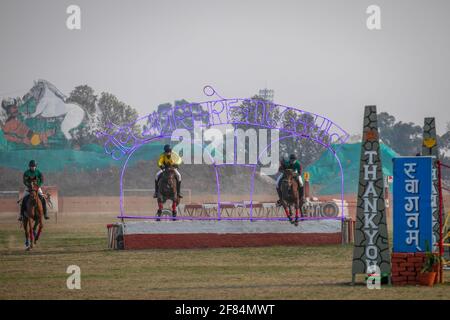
(29, 175)
(294, 164)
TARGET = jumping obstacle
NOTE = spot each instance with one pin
(226, 233)
(198, 226)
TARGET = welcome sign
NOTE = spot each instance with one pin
(412, 206)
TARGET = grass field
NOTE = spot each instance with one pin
(245, 273)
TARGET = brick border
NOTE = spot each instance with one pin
(214, 240)
(406, 267)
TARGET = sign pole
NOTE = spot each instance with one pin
(371, 243)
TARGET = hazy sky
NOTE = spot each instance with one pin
(317, 55)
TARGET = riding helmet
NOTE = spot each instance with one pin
(167, 148)
(32, 163)
(292, 157)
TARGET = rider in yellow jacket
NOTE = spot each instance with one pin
(168, 158)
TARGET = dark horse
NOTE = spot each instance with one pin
(33, 217)
(290, 196)
(167, 190)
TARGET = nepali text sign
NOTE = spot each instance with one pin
(412, 204)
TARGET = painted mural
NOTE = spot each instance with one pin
(42, 118)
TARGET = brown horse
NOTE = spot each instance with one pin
(290, 196)
(167, 190)
(33, 217)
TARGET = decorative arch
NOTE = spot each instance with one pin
(123, 141)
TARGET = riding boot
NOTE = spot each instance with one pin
(179, 189)
(44, 206)
(300, 189)
(22, 210)
(279, 196)
(155, 195)
(300, 192)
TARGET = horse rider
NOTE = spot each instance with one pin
(168, 158)
(33, 174)
(293, 164)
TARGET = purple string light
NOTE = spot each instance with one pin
(162, 124)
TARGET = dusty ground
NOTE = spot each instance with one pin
(249, 273)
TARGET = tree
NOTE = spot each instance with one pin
(180, 102)
(307, 150)
(3, 116)
(164, 107)
(248, 113)
(404, 138)
(444, 156)
(85, 97)
(100, 114)
(444, 140)
(113, 111)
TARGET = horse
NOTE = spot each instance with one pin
(51, 103)
(167, 190)
(33, 217)
(290, 196)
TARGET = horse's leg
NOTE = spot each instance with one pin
(300, 207)
(35, 225)
(39, 231)
(299, 200)
(160, 207)
(35, 222)
(25, 228)
(41, 225)
(30, 232)
(290, 213)
(72, 119)
(40, 220)
(174, 210)
(283, 201)
(296, 214)
(286, 210)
